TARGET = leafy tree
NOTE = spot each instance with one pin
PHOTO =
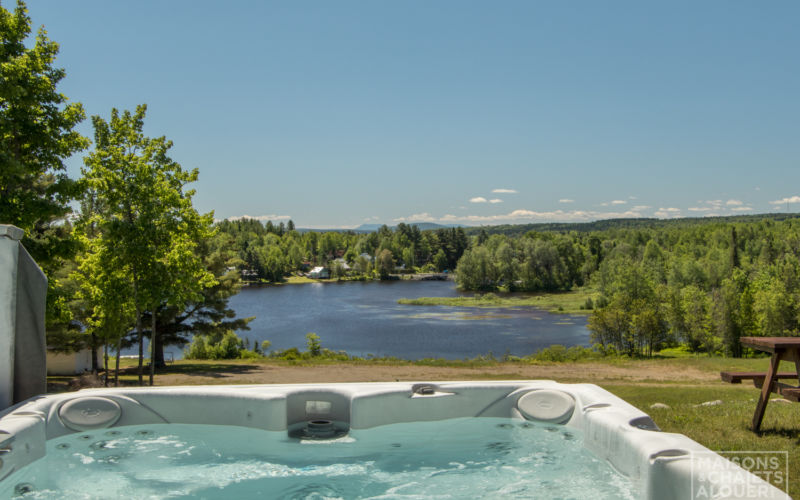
(210, 314)
(440, 260)
(696, 306)
(337, 269)
(385, 263)
(37, 135)
(313, 344)
(475, 270)
(106, 293)
(408, 257)
(146, 210)
(36, 126)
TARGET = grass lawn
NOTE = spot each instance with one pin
(682, 383)
(559, 302)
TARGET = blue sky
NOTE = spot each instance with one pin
(340, 113)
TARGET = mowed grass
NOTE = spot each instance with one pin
(571, 302)
(683, 382)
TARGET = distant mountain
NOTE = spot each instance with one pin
(371, 228)
(643, 223)
(423, 226)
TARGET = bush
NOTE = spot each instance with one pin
(247, 354)
(197, 349)
(313, 344)
(230, 346)
(559, 353)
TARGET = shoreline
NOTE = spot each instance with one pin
(302, 280)
(571, 302)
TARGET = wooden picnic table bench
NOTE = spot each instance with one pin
(782, 349)
(756, 377)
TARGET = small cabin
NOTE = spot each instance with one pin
(71, 363)
(320, 272)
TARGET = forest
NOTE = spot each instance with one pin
(700, 283)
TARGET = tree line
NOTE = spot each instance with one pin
(699, 285)
(270, 252)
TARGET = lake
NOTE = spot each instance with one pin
(364, 318)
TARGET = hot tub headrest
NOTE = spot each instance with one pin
(86, 413)
(547, 405)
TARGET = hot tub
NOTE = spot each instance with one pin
(512, 439)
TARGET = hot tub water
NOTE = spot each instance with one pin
(459, 458)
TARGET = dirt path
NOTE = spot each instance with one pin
(567, 372)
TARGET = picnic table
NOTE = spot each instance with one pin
(782, 349)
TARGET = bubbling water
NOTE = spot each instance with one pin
(459, 458)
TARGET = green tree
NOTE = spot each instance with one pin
(440, 260)
(385, 263)
(337, 269)
(37, 135)
(36, 127)
(211, 313)
(475, 270)
(105, 292)
(696, 307)
(408, 257)
(313, 344)
(145, 208)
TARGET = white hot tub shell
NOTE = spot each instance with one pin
(661, 465)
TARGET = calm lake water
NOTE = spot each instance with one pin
(364, 318)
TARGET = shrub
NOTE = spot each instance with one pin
(559, 353)
(230, 346)
(313, 344)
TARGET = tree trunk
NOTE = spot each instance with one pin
(138, 324)
(94, 354)
(116, 368)
(158, 344)
(105, 364)
(153, 342)
(140, 369)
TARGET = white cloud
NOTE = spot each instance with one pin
(783, 201)
(639, 208)
(566, 200)
(496, 200)
(700, 209)
(261, 217)
(522, 215)
(668, 213)
(618, 202)
(633, 197)
(423, 217)
(507, 191)
(478, 199)
(734, 203)
(741, 209)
